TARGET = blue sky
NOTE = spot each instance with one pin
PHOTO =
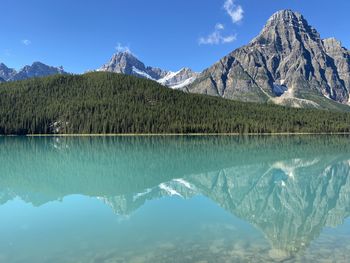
(83, 34)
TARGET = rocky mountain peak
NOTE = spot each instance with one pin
(126, 57)
(127, 63)
(186, 70)
(287, 63)
(6, 73)
(123, 62)
(284, 16)
(332, 44)
(37, 69)
(286, 25)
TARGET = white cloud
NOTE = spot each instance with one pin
(219, 26)
(234, 11)
(121, 48)
(216, 37)
(236, 14)
(26, 42)
(229, 39)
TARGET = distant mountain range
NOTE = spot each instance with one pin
(287, 64)
(127, 63)
(37, 69)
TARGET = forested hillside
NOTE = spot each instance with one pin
(113, 103)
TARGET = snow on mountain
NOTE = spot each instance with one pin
(288, 63)
(141, 73)
(179, 79)
(184, 83)
(129, 64)
(37, 69)
(6, 73)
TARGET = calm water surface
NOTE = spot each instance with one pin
(175, 199)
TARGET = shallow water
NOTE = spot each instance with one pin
(175, 199)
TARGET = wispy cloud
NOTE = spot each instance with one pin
(234, 11)
(229, 39)
(121, 48)
(219, 26)
(26, 42)
(217, 37)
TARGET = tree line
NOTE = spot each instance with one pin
(102, 103)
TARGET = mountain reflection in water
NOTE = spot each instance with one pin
(288, 187)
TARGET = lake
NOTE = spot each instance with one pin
(175, 199)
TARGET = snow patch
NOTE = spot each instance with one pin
(170, 81)
(184, 83)
(141, 73)
(169, 76)
(138, 195)
(169, 190)
(184, 183)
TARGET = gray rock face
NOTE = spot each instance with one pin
(127, 63)
(179, 79)
(341, 57)
(6, 73)
(37, 69)
(287, 63)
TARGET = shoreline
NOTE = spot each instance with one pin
(177, 134)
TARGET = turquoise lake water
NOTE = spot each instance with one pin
(175, 199)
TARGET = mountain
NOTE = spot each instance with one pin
(290, 188)
(179, 79)
(101, 102)
(6, 73)
(255, 192)
(287, 63)
(37, 69)
(127, 63)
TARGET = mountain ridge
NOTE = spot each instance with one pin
(37, 69)
(127, 63)
(287, 63)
